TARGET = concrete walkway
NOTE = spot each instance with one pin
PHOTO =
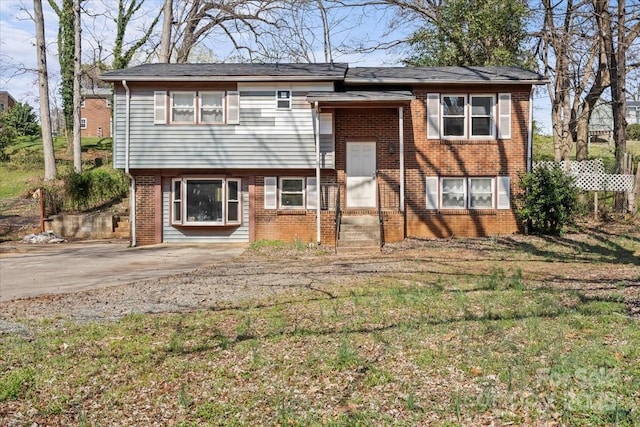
(30, 270)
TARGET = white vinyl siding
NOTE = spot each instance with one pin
(160, 107)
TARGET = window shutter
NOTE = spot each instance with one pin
(432, 192)
(312, 193)
(233, 107)
(326, 124)
(504, 192)
(160, 107)
(504, 113)
(270, 192)
(433, 115)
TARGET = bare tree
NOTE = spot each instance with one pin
(43, 78)
(167, 24)
(126, 11)
(77, 99)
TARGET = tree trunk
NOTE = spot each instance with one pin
(43, 80)
(77, 99)
(165, 41)
(582, 133)
(618, 63)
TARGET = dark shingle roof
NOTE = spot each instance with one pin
(363, 95)
(230, 72)
(403, 75)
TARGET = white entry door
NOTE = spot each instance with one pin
(361, 174)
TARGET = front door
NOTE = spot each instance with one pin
(361, 174)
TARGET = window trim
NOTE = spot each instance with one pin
(289, 99)
(303, 192)
(500, 193)
(464, 116)
(493, 124)
(83, 123)
(162, 108)
(221, 107)
(179, 205)
(192, 108)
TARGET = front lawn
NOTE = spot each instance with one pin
(510, 331)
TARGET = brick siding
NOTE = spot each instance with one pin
(146, 210)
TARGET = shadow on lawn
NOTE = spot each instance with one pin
(599, 243)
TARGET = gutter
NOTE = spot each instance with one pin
(401, 148)
(318, 207)
(530, 132)
(132, 193)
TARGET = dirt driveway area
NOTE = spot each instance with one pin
(34, 270)
(170, 279)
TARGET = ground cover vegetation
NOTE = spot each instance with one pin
(519, 330)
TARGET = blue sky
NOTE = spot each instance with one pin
(18, 53)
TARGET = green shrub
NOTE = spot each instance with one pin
(93, 188)
(633, 131)
(550, 200)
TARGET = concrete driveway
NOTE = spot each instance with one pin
(30, 270)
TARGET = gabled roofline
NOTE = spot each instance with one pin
(222, 79)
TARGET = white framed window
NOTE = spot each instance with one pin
(292, 193)
(83, 103)
(83, 123)
(183, 107)
(283, 99)
(468, 116)
(483, 123)
(206, 201)
(454, 124)
(468, 192)
(211, 107)
(108, 101)
(160, 107)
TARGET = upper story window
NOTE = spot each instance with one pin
(183, 107)
(205, 107)
(283, 99)
(83, 123)
(462, 116)
(211, 107)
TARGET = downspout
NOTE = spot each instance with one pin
(530, 138)
(401, 137)
(318, 208)
(132, 193)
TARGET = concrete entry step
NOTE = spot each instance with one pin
(359, 233)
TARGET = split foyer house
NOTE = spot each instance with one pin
(243, 152)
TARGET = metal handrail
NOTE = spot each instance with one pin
(380, 216)
(337, 218)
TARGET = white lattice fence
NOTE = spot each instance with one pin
(589, 175)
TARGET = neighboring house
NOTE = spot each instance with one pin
(6, 101)
(601, 123)
(633, 112)
(95, 115)
(243, 152)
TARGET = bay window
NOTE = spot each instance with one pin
(206, 201)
